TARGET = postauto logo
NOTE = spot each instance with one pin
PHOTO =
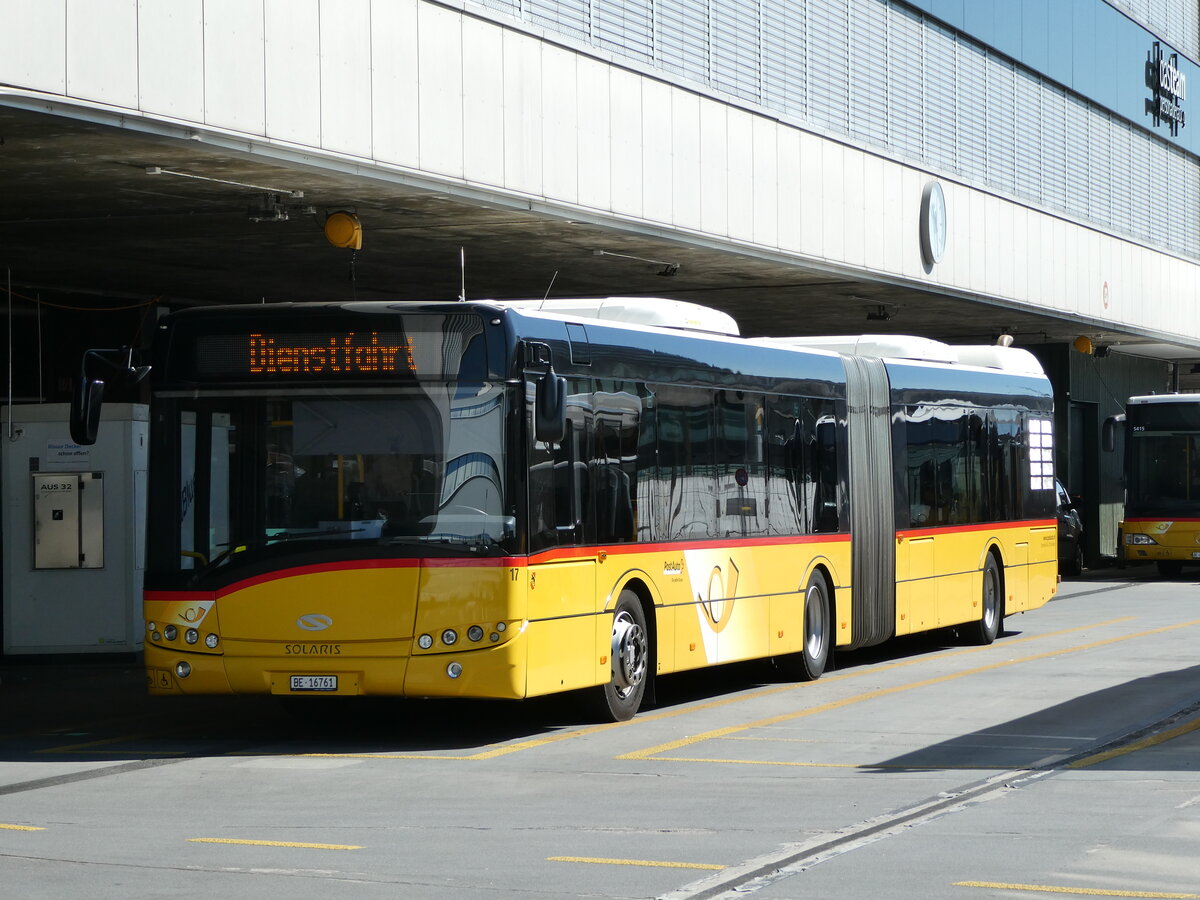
(314, 622)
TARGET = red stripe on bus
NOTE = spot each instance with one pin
(983, 526)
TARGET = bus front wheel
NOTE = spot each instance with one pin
(809, 663)
(620, 699)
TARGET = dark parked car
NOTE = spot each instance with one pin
(1070, 533)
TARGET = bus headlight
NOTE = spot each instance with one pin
(1139, 539)
(425, 641)
(183, 669)
(454, 669)
(211, 641)
(170, 632)
(449, 637)
(475, 633)
(191, 635)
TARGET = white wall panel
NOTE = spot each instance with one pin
(833, 211)
(394, 84)
(765, 189)
(892, 259)
(625, 116)
(874, 215)
(483, 102)
(291, 49)
(595, 136)
(171, 58)
(439, 76)
(345, 98)
(853, 207)
(811, 198)
(685, 151)
(234, 88)
(657, 133)
(714, 168)
(441, 101)
(789, 213)
(33, 52)
(740, 178)
(560, 127)
(102, 51)
(522, 113)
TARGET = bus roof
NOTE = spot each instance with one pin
(1166, 398)
(921, 349)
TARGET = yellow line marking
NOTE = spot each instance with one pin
(20, 827)
(275, 844)
(651, 752)
(1090, 892)
(1150, 741)
(506, 749)
(634, 862)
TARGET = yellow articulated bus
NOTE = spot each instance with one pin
(1162, 481)
(486, 499)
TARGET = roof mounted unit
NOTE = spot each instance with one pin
(656, 311)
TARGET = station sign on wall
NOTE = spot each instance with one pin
(1168, 87)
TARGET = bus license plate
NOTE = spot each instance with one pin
(314, 682)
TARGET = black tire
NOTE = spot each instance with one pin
(621, 698)
(987, 628)
(1170, 568)
(810, 663)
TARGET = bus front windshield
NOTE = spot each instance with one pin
(1164, 473)
(406, 467)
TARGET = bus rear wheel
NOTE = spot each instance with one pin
(988, 627)
(621, 698)
(809, 663)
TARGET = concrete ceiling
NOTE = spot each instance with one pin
(90, 209)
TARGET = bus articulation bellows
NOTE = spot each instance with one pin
(511, 499)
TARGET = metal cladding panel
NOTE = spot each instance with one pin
(441, 101)
(560, 121)
(234, 79)
(171, 59)
(625, 162)
(873, 549)
(102, 39)
(483, 102)
(32, 51)
(345, 56)
(595, 134)
(657, 156)
(393, 88)
(522, 113)
(292, 80)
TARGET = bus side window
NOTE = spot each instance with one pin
(826, 502)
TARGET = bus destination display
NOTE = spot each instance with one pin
(348, 354)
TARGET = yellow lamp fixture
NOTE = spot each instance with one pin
(343, 229)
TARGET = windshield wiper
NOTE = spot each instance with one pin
(228, 553)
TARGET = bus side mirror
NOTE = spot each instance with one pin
(550, 408)
(1108, 433)
(86, 400)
